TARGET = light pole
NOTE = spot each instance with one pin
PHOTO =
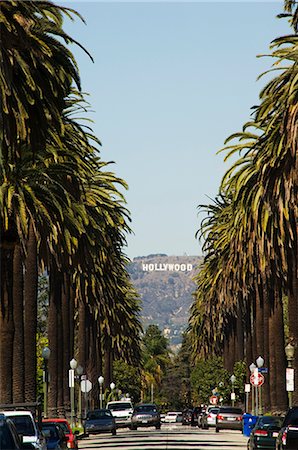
(252, 368)
(80, 370)
(46, 352)
(73, 365)
(100, 382)
(290, 350)
(260, 363)
(112, 386)
(233, 379)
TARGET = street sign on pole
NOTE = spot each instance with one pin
(257, 379)
(86, 385)
(289, 379)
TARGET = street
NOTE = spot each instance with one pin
(170, 437)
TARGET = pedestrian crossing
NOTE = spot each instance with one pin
(170, 439)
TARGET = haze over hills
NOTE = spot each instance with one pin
(165, 285)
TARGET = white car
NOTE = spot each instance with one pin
(26, 427)
(209, 417)
(173, 417)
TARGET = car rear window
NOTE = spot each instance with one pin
(146, 408)
(24, 425)
(230, 410)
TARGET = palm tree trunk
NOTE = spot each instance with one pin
(30, 322)
(293, 315)
(18, 342)
(280, 352)
(6, 321)
(55, 293)
(82, 344)
(66, 340)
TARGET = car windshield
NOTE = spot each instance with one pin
(24, 425)
(119, 406)
(230, 410)
(50, 431)
(268, 422)
(146, 408)
(64, 426)
(100, 414)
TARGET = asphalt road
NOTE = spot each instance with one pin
(170, 437)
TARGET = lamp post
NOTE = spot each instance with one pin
(252, 368)
(100, 382)
(233, 379)
(80, 370)
(260, 363)
(290, 350)
(73, 365)
(112, 386)
(46, 352)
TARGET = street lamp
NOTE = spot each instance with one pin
(112, 386)
(46, 352)
(260, 363)
(290, 350)
(100, 382)
(252, 368)
(233, 379)
(73, 365)
(79, 371)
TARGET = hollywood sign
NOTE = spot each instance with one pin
(161, 267)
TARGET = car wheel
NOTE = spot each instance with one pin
(157, 427)
(217, 430)
(114, 432)
(133, 427)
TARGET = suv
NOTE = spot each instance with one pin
(25, 425)
(122, 411)
(288, 435)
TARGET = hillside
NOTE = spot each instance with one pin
(165, 285)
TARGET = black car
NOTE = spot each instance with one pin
(287, 438)
(196, 415)
(55, 436)
(9, 438)
(264, 433)
(145, 415)
(186, 416)
(100, 421)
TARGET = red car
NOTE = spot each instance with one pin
(72, 441)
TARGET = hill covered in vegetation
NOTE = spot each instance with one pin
(165, 285)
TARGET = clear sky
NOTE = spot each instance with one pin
(170, 82)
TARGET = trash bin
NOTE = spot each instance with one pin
(249, 422)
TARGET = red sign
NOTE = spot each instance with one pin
(257, 379)
(213, 400)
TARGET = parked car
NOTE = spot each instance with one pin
(9, 438)
(100, 421)
(208, 418)
(145, 415)
(26, 426)
(72, 441)
(55, 437)
(228, 418)
(264, 433)
(196, 415)
(173, 417)
(287, 438)
(186, 417)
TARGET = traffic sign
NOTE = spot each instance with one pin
(86, 385)
(213, 399)
(257, 379)
(263, 369)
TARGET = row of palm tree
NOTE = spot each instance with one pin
(250, 230)
(61, 213)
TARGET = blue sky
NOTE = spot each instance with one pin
(170, 82)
